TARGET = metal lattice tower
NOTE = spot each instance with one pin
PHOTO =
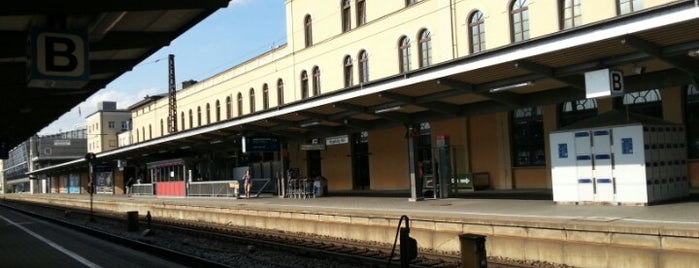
(172, 101)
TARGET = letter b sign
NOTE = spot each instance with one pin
(58, 59)
(616, 82)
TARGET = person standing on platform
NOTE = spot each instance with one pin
(129, 184)
(247, 183)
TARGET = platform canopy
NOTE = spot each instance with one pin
(55, 54)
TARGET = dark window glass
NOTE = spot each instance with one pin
(348, 71)
(240, 104)
(574, 111)
(308, 31)
(208, 114)
(280, 92)
(519, 16)
(476, 26)
(528, 137)
(316, 81)
(404, 54)
(571, 13)
(425, 48)
(363, 67)
(304, 85)
(191, 119)
(265, 97)
(218, 111)
(361, 12)
(346, 15)
(252, 100)
(229, 107)
(198, 116)
(647, 102)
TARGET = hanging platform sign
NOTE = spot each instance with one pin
(604, 83)
(58, 59)
(337, 140)
(260, 144)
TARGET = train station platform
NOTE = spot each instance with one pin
(518, 225)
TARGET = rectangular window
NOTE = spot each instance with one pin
(528, 137)
(111, 124)
(571, 14)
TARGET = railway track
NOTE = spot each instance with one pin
(216, 238)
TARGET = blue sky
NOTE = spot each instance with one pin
(231, 35)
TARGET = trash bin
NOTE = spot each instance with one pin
(132, 221)
(473, 254)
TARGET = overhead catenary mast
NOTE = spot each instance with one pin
(172, 101)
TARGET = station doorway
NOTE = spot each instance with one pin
(361, 179)
(313, 166)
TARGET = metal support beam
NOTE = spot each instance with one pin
(656, 51)
(550, 73)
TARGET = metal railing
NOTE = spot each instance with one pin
(142, 189)
(213, 188)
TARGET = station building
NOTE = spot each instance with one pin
(386, 95)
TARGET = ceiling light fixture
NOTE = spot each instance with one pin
(308, 124)
(508, 87)
(389, 109)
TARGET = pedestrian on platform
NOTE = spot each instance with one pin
(247, 182)
(129, 184)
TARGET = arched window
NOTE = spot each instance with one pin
(182, 117)
(574, 111)
(304, 85)
(425, 42)
(150, 132)
(316, 81)
(519, 19)
(218, 111)
(528, 137)
(410, 2)
(361, 12)
(404, 54)
(571, 13)
(191, 119)
(363, 66)
(280, 92)
(646, 102)
(198, 116)
(229, 107)
(162, 127)
(346, 15)
(476, 30)
(628, 6)
(265, 97)
(240, 104)
(308, 30)
(347, 65)
(692, 113)
(208, 113)
(252, 100)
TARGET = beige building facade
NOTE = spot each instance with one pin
(104, 125)
(343, 51)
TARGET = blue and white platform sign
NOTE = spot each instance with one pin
(627, 146)
(58, 59)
